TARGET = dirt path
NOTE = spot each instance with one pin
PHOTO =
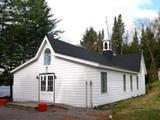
(72, 114)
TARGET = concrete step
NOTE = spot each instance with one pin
(53, 107)
(22, 106)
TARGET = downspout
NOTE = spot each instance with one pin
(54, 88)
(91, 101)
(86, 94)
(38, 78)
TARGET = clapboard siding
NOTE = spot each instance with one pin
(25, 85)
(70, 85)
(115, 90)
(70, 82)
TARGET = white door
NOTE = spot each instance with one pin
(47, 88)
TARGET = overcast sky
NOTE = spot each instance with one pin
(77, 15)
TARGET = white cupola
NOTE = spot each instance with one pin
(107, 45)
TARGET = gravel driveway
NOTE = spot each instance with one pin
(72, 114)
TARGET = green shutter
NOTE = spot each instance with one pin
(103, 82)
(124, 82)
(137, 83)
(131, 83)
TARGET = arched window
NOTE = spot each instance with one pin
(47, 56)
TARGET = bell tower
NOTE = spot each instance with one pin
(107, 45)
(107, 48)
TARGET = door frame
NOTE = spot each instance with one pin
(39, 85)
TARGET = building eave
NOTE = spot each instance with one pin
(71, 59)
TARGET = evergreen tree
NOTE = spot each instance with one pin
(23, 25)
(148, 45)
(92, 40)
(3, 16)
(89, 39)
(135, 37)
(135, 46)
(99, 45)
(114, 36)
(117, 35)
(126, 46)
(156, 28)
(26, 23)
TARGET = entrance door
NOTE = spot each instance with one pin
(47, 87)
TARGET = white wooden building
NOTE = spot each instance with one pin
(64, 73)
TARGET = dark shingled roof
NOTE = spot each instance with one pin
(128, 61)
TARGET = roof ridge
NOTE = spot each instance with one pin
(125, 61)
(74, 45)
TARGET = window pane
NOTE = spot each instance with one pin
(124, 82)
(103, 82)
(50, 83)
(47, 57)
(106, 46)
(131, 83)
(137, 82)
(43, 83)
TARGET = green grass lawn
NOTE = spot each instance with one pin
(145, 107)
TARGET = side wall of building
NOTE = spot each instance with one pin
(115, 87)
